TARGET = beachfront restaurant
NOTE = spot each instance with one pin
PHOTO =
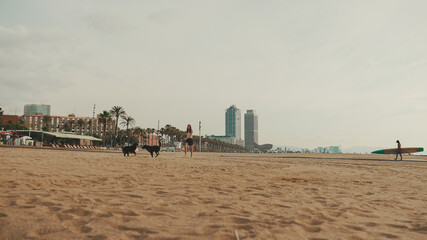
(48, 138)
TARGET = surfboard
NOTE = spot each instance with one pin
(394, 150)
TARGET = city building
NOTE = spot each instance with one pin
(233, 127)
(70, 123)
(334, 149)
(37, 109)
(330, 149)
(321, 150)
(251, 129)
(4, 119)
(233, 122)
(227, 139)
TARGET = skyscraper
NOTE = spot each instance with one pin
(233, 122)
(37, 109)
(251, 129)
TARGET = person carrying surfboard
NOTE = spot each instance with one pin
(399, 150)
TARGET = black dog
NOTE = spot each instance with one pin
(129, 149)
(153, 149)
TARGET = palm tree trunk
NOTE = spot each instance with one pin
(127, 129)
(103, 136)
(115, 130)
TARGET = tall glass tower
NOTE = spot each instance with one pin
(251, 129)
(33, 109)
(233, 122)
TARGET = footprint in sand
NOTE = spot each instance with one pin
(129, 213)
(143, 232)
(105, 215)
(48, 230)
(80, 227)
(420, 229)
(371, 224)
(32, 201)
(312, 229)
(316, 222)
(215, 226)
(246, 227)
(356, 228)
(397, 226)
(27, 206)
(240, 220)
(288, 222)
(282, 206)
(64, 216)
(78, 211)
(154, 214)
(97, 237)
(388, 235)
(133, 196)
(85, 229)
(225, 206)
(202, 214)
(47, 204)
(7, 202)
(55, 209)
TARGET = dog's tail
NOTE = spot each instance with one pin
(160, 142)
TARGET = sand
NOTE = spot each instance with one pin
(53, 194)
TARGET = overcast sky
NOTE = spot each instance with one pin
(319, 73)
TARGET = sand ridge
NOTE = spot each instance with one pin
(87, 195)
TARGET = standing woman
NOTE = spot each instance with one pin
(399, 150)
(189, 140)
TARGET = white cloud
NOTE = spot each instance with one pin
(165, 16)
(107, 23)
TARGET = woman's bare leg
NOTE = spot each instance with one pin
(191, 149)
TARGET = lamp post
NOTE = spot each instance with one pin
(200, 136)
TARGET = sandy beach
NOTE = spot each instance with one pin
(53, 194)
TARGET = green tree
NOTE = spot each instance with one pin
(139, 132)
(117, 112)
(71, 124)
(66, 126)
(80, 123)
(104, 118)
(89, 123)
(46, 123)
(126, 122)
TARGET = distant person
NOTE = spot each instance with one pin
(399, 150)
(189, 140)
(14, 138)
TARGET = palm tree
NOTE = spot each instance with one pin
(104, 118)
(117, 112)
(71, 123)
(65, 127)
(80, 122)
(139, 131)
(126, 122)
(90, 127)
(162, 132)
(46, 122)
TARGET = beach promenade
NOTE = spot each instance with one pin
(54, 194)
